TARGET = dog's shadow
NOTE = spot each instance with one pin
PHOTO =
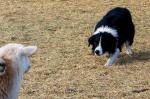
(137, 56)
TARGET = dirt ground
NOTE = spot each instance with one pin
(63, 67)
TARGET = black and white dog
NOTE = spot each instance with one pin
(111, 32)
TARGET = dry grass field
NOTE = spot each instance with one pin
(63, 67)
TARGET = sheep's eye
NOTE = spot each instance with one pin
(2, 67)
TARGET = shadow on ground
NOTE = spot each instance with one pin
(137, 56)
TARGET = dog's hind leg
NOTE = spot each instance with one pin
(128, 47)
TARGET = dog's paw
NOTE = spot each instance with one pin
(129, 52)
(108, 64)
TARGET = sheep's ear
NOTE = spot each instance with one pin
(2, 67)
(29, 50)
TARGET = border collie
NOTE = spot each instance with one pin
(111, 32)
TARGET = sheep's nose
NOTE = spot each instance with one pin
(97, 52)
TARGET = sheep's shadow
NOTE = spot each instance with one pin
(137, 56)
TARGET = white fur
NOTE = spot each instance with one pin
(107, 29)
(129, 49)
(113, 58)
(18, 54)
(29, 50)
(99, 47)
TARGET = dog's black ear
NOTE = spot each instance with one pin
(91, 40)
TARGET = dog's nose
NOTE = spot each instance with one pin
(97, 52)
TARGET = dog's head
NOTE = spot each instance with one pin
(102, 42)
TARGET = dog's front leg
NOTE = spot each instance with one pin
(113, 57)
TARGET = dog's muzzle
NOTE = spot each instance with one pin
(97, 52)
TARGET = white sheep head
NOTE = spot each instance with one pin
(14, 62)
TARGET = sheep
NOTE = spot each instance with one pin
(14, 62)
